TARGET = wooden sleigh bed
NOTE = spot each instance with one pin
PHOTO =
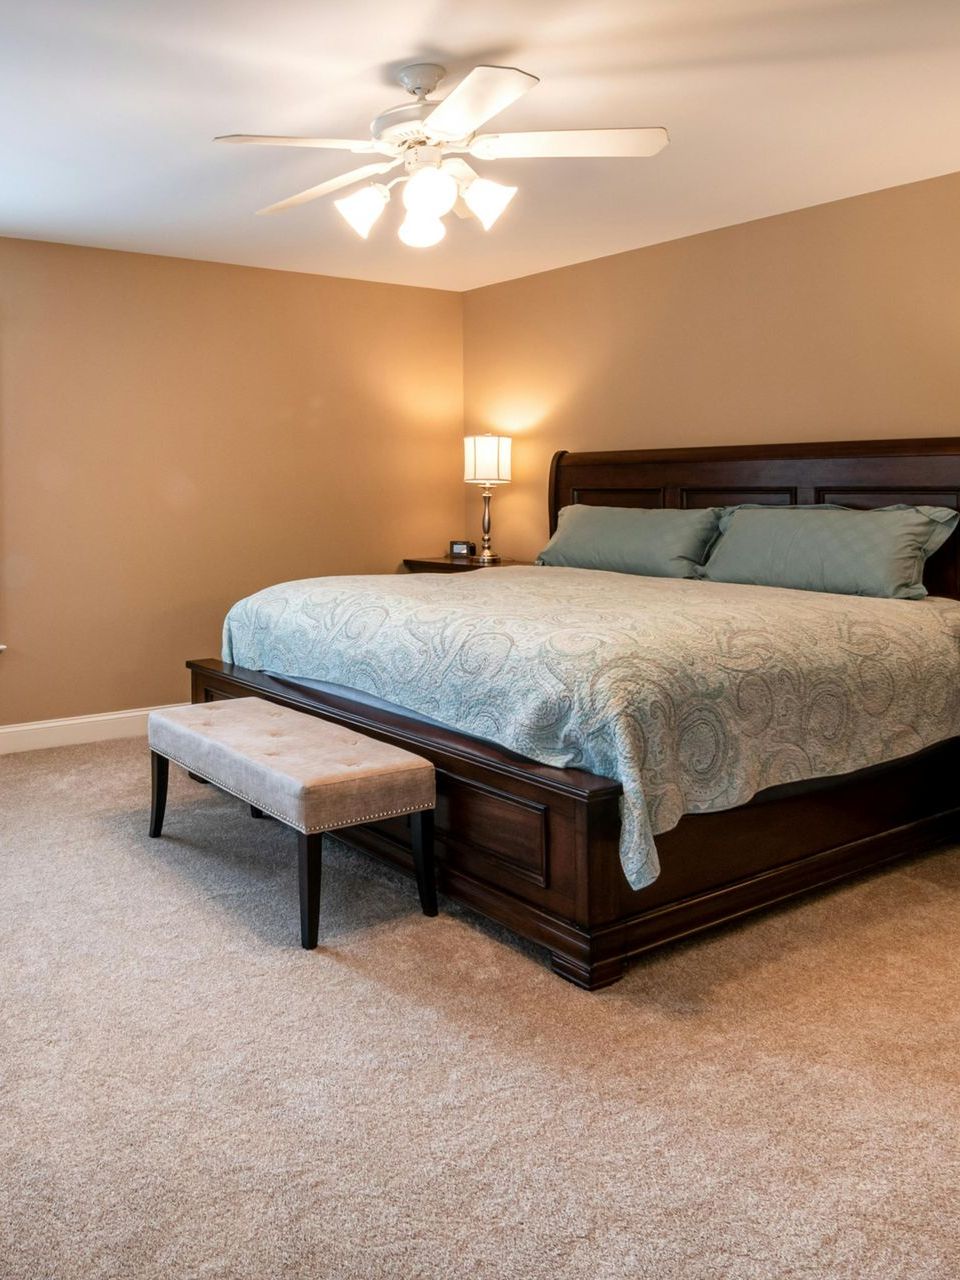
(536, 848)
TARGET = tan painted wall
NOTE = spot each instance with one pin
(837, 321)
(175, 435)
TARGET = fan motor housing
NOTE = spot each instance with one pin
(403, 123)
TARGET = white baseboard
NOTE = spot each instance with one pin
(74, 729)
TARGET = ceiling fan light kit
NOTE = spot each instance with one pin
(430, 139)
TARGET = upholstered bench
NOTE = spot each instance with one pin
(310, 774)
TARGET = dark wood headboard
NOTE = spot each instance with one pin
(859, 473)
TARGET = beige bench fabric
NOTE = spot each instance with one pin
(311, 774)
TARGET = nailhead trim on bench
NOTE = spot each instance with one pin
(308, 831)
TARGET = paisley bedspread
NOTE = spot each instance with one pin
(693, 695)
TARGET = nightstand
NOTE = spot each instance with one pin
(453, 564)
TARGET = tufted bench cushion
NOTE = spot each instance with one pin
(309, 773)
(312, 775)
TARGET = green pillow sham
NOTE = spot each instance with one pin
(656, 543)
(880, 552)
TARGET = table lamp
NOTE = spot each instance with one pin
(486, 461)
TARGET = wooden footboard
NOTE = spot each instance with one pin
(536, 848)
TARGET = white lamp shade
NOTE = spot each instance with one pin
(421, 233)
(486, 200)
(430, 193)
(363, 208)
(486, 459)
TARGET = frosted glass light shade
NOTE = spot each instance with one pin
(430, 193)
(486, 200)
(486, 459)
(363, 207)
(421, 233)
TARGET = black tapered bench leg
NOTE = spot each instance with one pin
(310, 863)
(256, 813)
(159, 774)
(421, 831)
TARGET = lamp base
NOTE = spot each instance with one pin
(486, 555)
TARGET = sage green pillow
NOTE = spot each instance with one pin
(828, 548)
(654, 542)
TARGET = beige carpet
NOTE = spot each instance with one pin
(186, 1093)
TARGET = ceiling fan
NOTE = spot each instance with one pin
(429, 140)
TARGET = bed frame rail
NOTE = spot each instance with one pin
(536, 848)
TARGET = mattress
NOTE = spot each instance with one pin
(694, 695)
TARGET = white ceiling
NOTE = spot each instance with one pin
(107, 108)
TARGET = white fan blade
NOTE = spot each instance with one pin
(460, 169)
(464, 175)
(557, 143)
(332, 184)
(355, 145)
(484, 93)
